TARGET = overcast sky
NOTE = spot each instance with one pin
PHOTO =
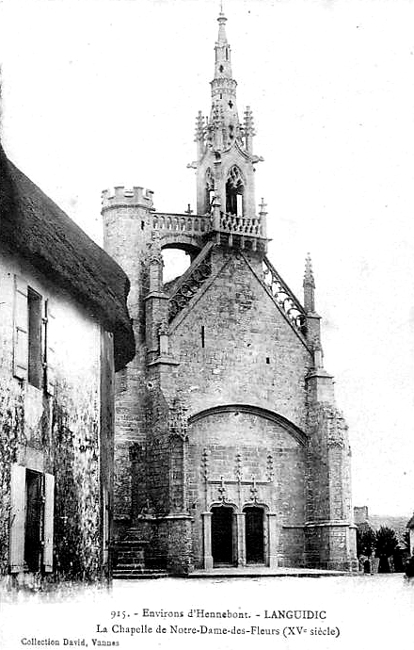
(103, 93)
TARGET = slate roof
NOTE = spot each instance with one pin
(35, 227)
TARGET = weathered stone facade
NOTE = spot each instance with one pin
(56, 396)
(229, 446)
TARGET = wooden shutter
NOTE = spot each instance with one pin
(105, 526)
(20, 339)
(17, 518)
(48, 522)
(49, 352)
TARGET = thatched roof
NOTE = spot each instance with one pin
(33, 225)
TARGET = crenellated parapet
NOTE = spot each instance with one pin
(122, 197)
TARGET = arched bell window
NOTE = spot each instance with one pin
(209, 185)
(234, 192)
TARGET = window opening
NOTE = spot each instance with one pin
(34, 303)
(34, 521)
(202, 336)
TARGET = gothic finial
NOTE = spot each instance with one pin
(248, 121)
(309, 286)
(308, 278)
(199, 130)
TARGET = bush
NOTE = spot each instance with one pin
(409, 568)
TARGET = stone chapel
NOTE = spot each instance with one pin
(229, 447)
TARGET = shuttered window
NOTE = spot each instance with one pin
(49, 349)
(34, 342)
(48, 523)
(20, 338)
(22, 543)
(17, 518)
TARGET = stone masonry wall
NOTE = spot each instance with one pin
(251, 354)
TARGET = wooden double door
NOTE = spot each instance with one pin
(224, 535)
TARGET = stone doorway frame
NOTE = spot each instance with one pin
(207, 516)
(270, 534)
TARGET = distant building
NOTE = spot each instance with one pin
(64, 331)
(229, 446)
(395, 522)
(360, 515)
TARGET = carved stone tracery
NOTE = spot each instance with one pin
(284, 297)
(189, 286)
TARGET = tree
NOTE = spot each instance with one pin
(405, 540)
(366, 539)
(386, 545)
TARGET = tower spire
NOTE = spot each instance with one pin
(222, 23)
(225, 161)
(226, 130)
(222, 63)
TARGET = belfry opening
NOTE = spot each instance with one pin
(234, 192)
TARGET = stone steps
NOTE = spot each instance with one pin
(130, 559)
(129, 573)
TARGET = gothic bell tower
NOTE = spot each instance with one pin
(225, 160)
(229, 446)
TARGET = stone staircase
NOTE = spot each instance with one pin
(189, 283)
(132, 560)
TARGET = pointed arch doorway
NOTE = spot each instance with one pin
(222, 535)
(255, 542)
